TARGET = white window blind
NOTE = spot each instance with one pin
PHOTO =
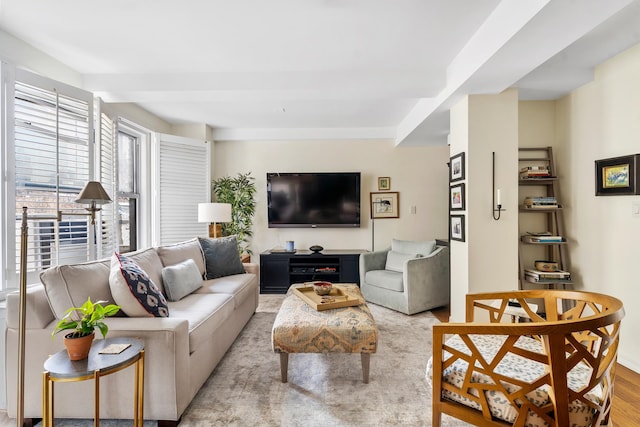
(107, 166)
(184, 181)
(52, 164)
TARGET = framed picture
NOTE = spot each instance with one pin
(617, 176)
(384, 205)
(384, 183)
(456, 167)
(456, 197)
(457, 228)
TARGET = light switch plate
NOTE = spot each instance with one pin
(635, 210)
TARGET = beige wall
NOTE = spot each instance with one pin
(419, 174)
(602, 120)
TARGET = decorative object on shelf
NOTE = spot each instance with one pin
(92, 193)
(496, 201)
(456, 197)
(384, 183)
(316, 249)
(457, 228)
(82, 322)
(456, 167)
(618, 176)
(546, 265)
(289, 246)
(240, 192)
(214, 213)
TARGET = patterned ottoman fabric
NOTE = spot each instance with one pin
(519, 368)
(299, 328)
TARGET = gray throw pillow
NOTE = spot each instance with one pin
(221, 257)
(181, 279)
(395, 260)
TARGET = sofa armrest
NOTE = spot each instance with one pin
(253, 268)
(39, 313)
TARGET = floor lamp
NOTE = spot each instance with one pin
(94, 194)
(213, 213)
(373, 219)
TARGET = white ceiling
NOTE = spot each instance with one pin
(255, 69)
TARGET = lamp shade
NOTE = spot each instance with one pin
(214, 212)
(93, 192)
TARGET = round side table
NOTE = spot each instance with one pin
(58, 368)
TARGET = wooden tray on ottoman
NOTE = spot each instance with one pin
(340, 298)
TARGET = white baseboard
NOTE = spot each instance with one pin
(3, 376)
(629, 363)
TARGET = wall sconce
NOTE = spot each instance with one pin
(496, 202)
(92, 193)
(213, 213)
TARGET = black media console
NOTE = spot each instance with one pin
(278, 270)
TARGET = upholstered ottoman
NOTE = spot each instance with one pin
(300, 328)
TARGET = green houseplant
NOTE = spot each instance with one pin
(82, 322)
(240, 192)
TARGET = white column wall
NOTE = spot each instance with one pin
(488, 260)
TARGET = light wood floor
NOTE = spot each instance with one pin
(626, 396)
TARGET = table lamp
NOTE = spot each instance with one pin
(213, 213)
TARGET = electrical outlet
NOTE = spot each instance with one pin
(413, 209)
(635, 210)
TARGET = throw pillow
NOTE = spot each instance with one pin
(181, 279)
(134, 291)
(395, 260)
(221, 257)
(423, 248)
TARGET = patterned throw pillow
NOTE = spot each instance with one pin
(134, 291)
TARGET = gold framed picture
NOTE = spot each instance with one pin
(384, 183)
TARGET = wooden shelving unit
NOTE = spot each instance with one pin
(550, 219)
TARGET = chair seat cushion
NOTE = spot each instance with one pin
(386, 279)
(520, 369)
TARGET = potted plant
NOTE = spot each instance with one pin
(82, 322)
(240, 192)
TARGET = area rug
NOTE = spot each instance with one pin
(323, 389)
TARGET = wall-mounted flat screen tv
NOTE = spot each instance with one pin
(330, 199)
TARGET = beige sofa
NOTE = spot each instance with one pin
(181, 350)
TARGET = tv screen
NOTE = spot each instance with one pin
(329, 199)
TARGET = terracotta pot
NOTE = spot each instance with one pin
(78, 348)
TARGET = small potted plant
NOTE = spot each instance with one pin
(82, 322)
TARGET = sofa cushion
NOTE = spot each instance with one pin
(181, 279)
(240, 286)
(205, 313)
(423, 248)
(386, 279)
(178, 252)
(221, 257)
(149, 261)
(134, 291)
(395, 260)
(70, 285)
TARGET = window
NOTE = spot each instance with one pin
(128, 193)
(49, 165)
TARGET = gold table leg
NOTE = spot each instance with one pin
(138, 409)
(96, 398)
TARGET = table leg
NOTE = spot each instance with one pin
(47, 400)
(96, 398)
(284, 366)
(366, 357)
(138, 416)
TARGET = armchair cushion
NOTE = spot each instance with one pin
(395, 260)
(423, 248)
(385, 279)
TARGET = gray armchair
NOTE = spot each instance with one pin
(409, 277)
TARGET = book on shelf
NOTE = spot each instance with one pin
(540, 202)
(547, 275)
(542, 239)
(534, 280)
(529, 172)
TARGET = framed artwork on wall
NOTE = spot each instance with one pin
(384, 205)
(384, 183)
(456, 167)
(457, 228)
(618, 176)
(456, 197)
